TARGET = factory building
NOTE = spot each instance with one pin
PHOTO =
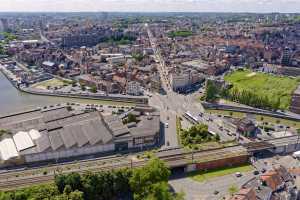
(50, 135)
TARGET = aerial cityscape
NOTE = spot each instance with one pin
(150, 100)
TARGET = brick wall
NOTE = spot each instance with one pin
(226, 162)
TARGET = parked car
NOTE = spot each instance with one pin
(238, 174)
(256, 172)
(216, 192)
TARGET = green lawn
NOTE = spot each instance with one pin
(54, 82)
(201, 176)
(181, 33)
(265, 84)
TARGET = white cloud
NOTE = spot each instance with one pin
(153, 5)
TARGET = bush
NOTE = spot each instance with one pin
(196, 135)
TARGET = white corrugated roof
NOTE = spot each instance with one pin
(8, 149)
(23, 140)
(34, 134)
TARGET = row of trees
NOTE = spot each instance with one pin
(246, 97)
(196, 135)
(7, 38)
(121, 39)
(211, 92)
(181, 33)
(250, 98)
(146, 183)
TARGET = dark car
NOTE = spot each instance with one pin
(256, 172)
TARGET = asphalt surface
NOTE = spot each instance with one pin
(205, 190)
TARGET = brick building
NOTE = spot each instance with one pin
(295, 105)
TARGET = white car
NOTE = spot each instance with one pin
(167, 125)
(238, 174)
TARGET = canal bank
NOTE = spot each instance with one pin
(13, 100)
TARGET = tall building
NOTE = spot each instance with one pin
(3, 25)
(286, 56)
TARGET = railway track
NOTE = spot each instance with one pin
(9, 181)
(172, 157)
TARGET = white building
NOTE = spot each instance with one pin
(134, 88)
(180, 82)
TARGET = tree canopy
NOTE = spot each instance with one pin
(148, 182)
(197, 134)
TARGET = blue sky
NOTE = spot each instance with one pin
(153, 5)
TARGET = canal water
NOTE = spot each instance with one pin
(12, 100)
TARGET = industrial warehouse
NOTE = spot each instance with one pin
(60, 133)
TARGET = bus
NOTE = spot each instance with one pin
(191, 118)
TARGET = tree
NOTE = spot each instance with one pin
(277, 104)
(60, 182)
(159, 191)
(197, 134)
(232, 190)
(93, 89)
(43, 192)
(83, 88)
(143, 178)
(74, 181)
(76, 195)
(131, 118)
(74, 83)
(211, 92)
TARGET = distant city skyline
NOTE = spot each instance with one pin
(259, 6)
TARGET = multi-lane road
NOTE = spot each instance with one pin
(173, 103)
(162, 69)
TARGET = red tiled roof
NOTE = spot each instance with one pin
(272, 179)
(245, 194)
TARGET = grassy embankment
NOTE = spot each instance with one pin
(274, 87)
(201, 176)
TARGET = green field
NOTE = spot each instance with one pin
(54, 82)
(265, 85)
(181, 33)
(201, 176)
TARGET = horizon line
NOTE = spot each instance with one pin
(198, 12)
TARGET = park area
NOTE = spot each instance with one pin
(201, 176)
(264, 85)
(54, 82)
